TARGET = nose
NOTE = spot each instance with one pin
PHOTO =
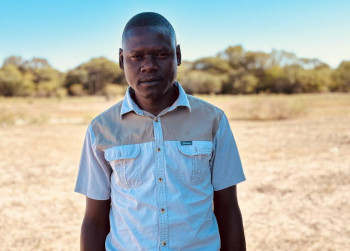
(149, 64)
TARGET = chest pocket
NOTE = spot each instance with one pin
(125, 162)
(197, 156)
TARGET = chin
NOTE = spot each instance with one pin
(152, 95)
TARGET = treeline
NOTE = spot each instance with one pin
(36, 77)
(232, 71)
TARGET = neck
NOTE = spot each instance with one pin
(158, 104)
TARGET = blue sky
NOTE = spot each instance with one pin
(70, 32)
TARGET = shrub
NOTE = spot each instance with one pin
(113, 90)
(77, 90)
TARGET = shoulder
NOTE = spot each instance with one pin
(104, 125)
(110, 114)
(205, 113)
(107, 119)
(199, 105)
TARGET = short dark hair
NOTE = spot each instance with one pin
(149, 19)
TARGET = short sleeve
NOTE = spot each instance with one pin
(94, 172)
(226, 164)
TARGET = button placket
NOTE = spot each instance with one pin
(160, 186)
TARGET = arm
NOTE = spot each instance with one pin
(95, 226)
(229, 219)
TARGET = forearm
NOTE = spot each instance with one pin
(229, 220)
(231, 232)
(93, 236)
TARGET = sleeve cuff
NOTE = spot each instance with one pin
(230, 183)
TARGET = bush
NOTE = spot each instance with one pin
(200, 82)
(61, 92)
(342, 77)
(114, 90)
(77, 90)
(10, 80)
(47, 88)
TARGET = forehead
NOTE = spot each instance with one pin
(147, 37)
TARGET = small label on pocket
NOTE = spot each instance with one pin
(186, 143)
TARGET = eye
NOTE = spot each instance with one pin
(163, 54)
(136, 56)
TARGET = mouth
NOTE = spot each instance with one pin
(150, 80)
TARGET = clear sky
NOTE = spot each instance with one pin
(70, 32)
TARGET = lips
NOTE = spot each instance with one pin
(150, 80)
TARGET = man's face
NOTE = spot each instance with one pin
(149, 59)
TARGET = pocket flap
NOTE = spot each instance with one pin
(196, 148)
(122, 152)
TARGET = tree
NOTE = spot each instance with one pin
(200, 82)
(49, 82)
(283, 58)
(12, 82)
(35, 64)
(213, 65)
(257, 62)
(320, 79)
(13, 60)
(273, 76)
(234, 55)
(75, 81)
(100, 71)
(342, 77)
(239, 81)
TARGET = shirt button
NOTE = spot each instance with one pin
(162, 210)
(160, 179)
(158, 149)
(156, 119)
(163, 243)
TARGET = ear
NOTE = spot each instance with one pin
(121, 59)
(178, 54)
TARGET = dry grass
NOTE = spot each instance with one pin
(296, 197)
(274, 109)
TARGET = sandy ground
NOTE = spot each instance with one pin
(296, 197)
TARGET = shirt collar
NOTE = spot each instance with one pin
(129, 105)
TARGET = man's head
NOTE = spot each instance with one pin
(149, 19)
(149, 55)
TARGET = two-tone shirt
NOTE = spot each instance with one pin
(160, 173)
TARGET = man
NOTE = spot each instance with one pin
(153, 164)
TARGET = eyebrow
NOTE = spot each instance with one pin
(137, 50)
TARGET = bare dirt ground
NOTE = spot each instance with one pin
(296, 197)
